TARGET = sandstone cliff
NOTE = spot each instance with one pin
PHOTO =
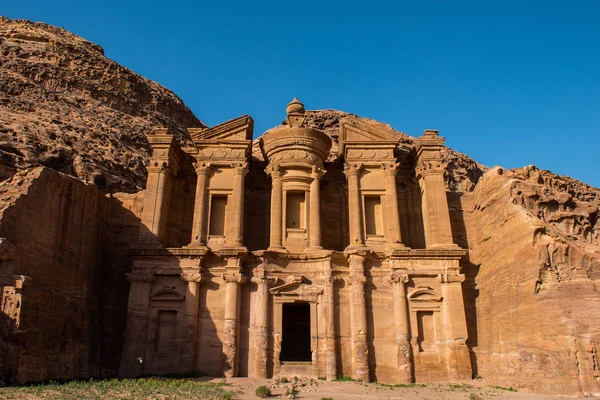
(535, 257)
(66, 106)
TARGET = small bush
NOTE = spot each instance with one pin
(509, 389)
(262, 392)
(284, 380)
(322, 378)
(228, 396)
(326, 398)
(344, 379)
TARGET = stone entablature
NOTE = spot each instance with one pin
(371, 308)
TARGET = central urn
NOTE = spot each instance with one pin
(295, 155)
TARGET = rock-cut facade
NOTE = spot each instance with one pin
(287, 260)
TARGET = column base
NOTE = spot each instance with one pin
(313, 249)
(277, 249)
(355, 247)
(446, 246)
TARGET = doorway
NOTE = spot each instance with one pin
(295, 341)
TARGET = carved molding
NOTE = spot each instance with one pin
(451, 278)
(430, 167)
(140, 277)
(191, 277)
(399, 276)
(234, 278)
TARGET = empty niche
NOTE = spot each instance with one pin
(218, 212)
(165, 331)
(373, 220)
(426, 330)
(295, 210)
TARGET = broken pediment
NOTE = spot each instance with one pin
(424, 294)
(167, 294)
(291, 284)
(355, 130)
(240, 128)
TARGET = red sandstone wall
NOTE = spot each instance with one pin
(67, 235)
(530, 339)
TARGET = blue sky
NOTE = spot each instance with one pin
(507, 82)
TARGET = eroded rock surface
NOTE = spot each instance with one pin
(533, 239)
(64, 105)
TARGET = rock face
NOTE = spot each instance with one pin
(65, 106)
(63, 276)
(532, 271)
(535, 255)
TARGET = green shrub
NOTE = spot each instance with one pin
(284, 380)
(263, 391)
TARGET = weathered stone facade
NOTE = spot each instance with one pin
(288, 261)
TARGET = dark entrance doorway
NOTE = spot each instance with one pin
(295, 341)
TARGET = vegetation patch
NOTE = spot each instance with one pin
(94, 389)
(262, 392)
(509, 389)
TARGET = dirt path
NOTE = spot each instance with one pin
(318, 389)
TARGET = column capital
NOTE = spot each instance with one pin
(191, 277)
(430, 167)
(239, 168)
(399, 276)
(234, 278)
(390, 168)
(263, 280)
(357, 279)
(275, 171)
(352, 169)
(332, 280)
(202, 168)
(157, 166)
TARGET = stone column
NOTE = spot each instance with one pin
(330, 347)
(430, 174)
(360, 363)
(233, 280)
(138, 308)
(155, 210)
(276, 239)
(261, 334)
(199, 224)
(399, 278)
(354, 208)
(394, 235)
(315, 211)
(454, 326)
(189, 335)
(235, 210)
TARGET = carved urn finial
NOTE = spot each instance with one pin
(295, 113)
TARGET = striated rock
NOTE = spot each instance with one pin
(533, 240)
(66, 106)
(63, 276)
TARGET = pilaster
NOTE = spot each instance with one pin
(233, 279)
(261, 329)
(330, 345)
(394, 234)
(236, 208)
(315, 211)
(357, 239)
(190, 333)
(359, 317)
(429, 170)
(200, 204)
(399, 278)
(276, 238)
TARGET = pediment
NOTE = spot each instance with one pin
(355, 130)
(291, 284)
(168, 294)
(424, 294)
(240, 128)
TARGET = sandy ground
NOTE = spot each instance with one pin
(318, 389)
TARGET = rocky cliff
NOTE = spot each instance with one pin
(533, 271)
(64, 105)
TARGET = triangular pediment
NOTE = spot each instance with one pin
(240, 128)
(355, 130)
